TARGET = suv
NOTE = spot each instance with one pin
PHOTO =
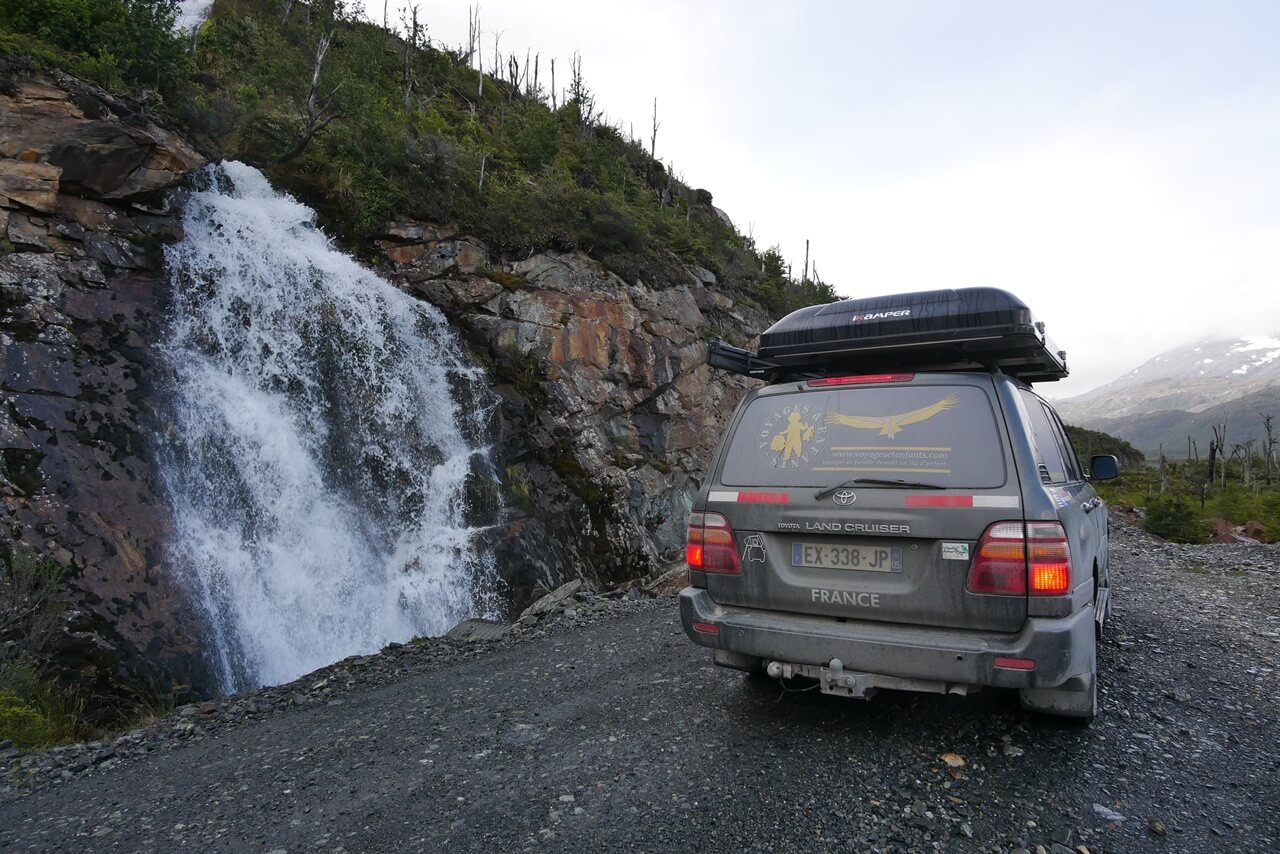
(899, 509)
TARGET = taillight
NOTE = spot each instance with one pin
(1049, 562)
(1000, 567)
(1010, 553)
(860, 379)
(711, 546)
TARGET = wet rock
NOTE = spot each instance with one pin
(478, 630)
(607, 412)
(80, 313)
(110, 152)
(1106, 813)
(552, 600)
(31, 184)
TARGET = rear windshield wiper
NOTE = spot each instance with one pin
(874, 481)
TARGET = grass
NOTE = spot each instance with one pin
(1179, 502)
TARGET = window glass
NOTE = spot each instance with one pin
(938, 434)
(1074, 472)
(1048, 454)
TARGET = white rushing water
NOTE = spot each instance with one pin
(324, 430)
(190, 14)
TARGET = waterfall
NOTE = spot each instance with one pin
(190, 14)
(325, 430)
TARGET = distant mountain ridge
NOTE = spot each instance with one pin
(1184, 391)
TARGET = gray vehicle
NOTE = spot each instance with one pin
(898, 508)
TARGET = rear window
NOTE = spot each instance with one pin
(944, 435)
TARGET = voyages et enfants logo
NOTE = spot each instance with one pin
(797, 432)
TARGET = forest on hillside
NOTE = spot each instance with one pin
(366, 123)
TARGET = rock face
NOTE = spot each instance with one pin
(607, 413)
(84, 214)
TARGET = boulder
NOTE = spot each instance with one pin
(552, 600)
(478, 631)
(1256, 531)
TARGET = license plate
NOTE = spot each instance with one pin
(826, 556)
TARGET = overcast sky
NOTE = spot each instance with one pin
(1117, 165)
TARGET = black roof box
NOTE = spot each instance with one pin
(948, 330)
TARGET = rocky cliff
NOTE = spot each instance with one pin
(84, 211)
(606, 414)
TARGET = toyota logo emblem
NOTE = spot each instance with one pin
(845, 497)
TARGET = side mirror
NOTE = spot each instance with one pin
(1104, 467)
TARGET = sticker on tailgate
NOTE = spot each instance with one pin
(955, 551)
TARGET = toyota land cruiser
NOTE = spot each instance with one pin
(898, 508)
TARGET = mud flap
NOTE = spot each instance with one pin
(737, 661)
(1077, 698)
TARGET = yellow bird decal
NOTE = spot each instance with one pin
(891, 425)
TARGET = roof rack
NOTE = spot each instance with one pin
(968, 329)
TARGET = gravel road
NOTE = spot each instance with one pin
(603, 729)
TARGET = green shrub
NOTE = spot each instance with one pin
(1171, 518)
(22, 723)
(32, 713)
(110, 41)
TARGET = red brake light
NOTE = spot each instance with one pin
(711, 546)
(1049, 560)
(1010, 553)
(862, 379)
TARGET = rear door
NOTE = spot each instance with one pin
(818, 535)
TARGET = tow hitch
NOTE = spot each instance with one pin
(834, 679)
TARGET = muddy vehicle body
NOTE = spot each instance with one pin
(898, 508)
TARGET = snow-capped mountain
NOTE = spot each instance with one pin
(1191, 378)
(1183, 392)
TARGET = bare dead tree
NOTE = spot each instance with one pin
(1244, 452)
(806, 260)
(286, 8)
(536, 91)
(1218, 452)
(1269, 448)
(579, 93)
(412, 45)
(479, 64)
(473, 30)
(319, 110)
(497, 56)
(480, 186)
(653, 140)
(553, 84)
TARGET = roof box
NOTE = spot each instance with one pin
(949, 330)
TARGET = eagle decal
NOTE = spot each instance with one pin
(891, 425)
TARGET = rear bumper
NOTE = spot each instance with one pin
(1061, 647)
